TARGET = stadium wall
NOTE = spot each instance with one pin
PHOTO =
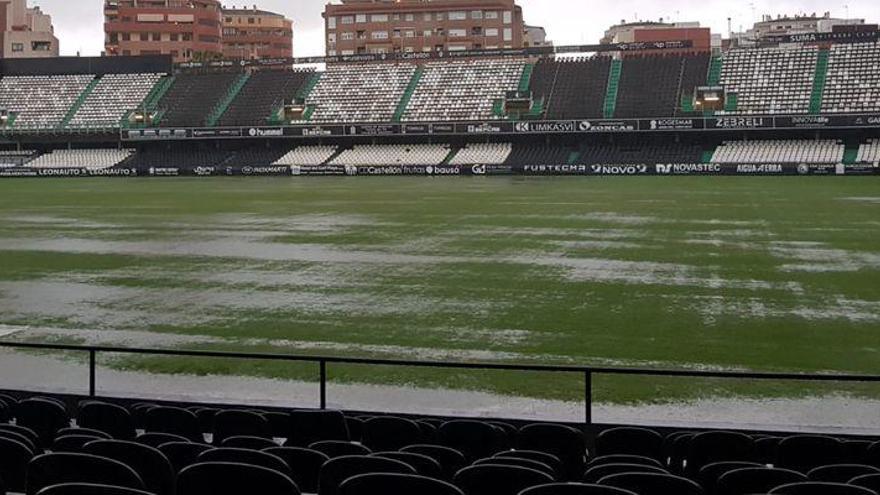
(86, 65)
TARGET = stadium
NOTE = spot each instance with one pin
(643, 267)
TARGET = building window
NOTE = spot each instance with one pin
(41, 46)
(348, 36)
(508, 34)
(439, 16)
(18, 47)
(251, 20)
(145, 37)
(457, 16)
(476, 14)
(492, 32)
(347, 19)
(492, 14)
(331, 53)
(427, 33)
(175, 37)
(395, 17)
(457, 33)
(361, 18)
(409, 34)
(508, 17)
(331, 23)
(410, 17)
(126, 36)
(427, 17)
(157, 37)
(379, 18)
(380, 35)
(396, 33)
(331, 37)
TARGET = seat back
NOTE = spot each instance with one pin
(72, 443)
(474, 439)
(424, 465)
(869, 481)
(596, 473)
(89, 489)
(53, 469)
(248, 442)
(395, 484)
(230, 478)
(148, 462)
(818, 488)
(175, 421)
(240, 423)
(714, 446)
(109, 418)
(756, 480)
(840, 473)
(494, 479)
(575, 489)
(805, 452)
(45, 417)
(653, 484)
(390, 433)
(337, 470)
(339, 448)
(564, 442)
(450, 459)
(182, 454)
(245, 456)
(305, 465)
(310, 426)
(636, 441)
(14, 459)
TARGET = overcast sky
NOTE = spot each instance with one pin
(79, 23)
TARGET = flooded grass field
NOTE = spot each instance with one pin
(769, 274)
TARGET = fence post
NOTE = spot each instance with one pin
(323, 384)
(588, 398)
(91, 372)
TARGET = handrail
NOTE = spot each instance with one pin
(323, 361)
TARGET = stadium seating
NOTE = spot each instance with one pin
(393, 154)
(463, 90)
(770, 80)
(523, 154)
(192, 97)
(15, 158)
(653, 86)
(853, 81)
(264, 93)
(571, 88)
(482, 153)
(779, 151)
(638, 154)
(41, 102)
(359, 93)
(182, 158)
(112, 97)
(91, 159)
(527, 460)
(307, 155)
(869, 152)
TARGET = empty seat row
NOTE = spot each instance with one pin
(393, 154)
(852, 84)
(91, 159)
(770, 80)
(359, 93)
(482, 154)
(112, 97)
(780, 151)
(41, 102)
(571, 88)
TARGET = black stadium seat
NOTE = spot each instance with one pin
(44, 416)
(305, 465)
(624, 459)
(265, 92)
(89, 489)
(337, 448)
(310, 426)
(450, 459)
(714, 446)
(653, 484)
(543, 457)
(72, 443)
(175, 421)
(19, 430)
(840, 473)
(229, 478)
(14, 459)
(109, 418)
(395, 484)
(239, 423)
(390, 433)
(596, 473)
(635, 441)
(869, 481)
(515, 461)
(52, 469)
(494, 479)
(816, 488)
(755, 480)
(248, 442)
(805, 452)
(246, 456)
(335, 471)
(575, 489)
(474, 439)
(182, 454)
(424, 465)
(710, 473)
(84, 431)
(148, 462)
(157, 439)
(565, 442)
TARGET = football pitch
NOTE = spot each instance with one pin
(721, 273)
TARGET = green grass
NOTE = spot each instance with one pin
(770, 274)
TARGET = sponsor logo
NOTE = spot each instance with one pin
(556, 169)
(204, 171)
(687, 168)
(113, 172)
(275, 132)
(811, 120)
(270, 170)
(483, 129)
(545, 127)
(316, 131)
(798, 38)
(351, 170)
(606, 126)
(759, 169)
(441, 170)
(739, 122)
(803, 169)
(619, 169)
(874, 120)
(478, 170)
(660, 124)
(164, 171)
(295, 170)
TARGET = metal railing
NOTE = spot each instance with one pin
(587, 372)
